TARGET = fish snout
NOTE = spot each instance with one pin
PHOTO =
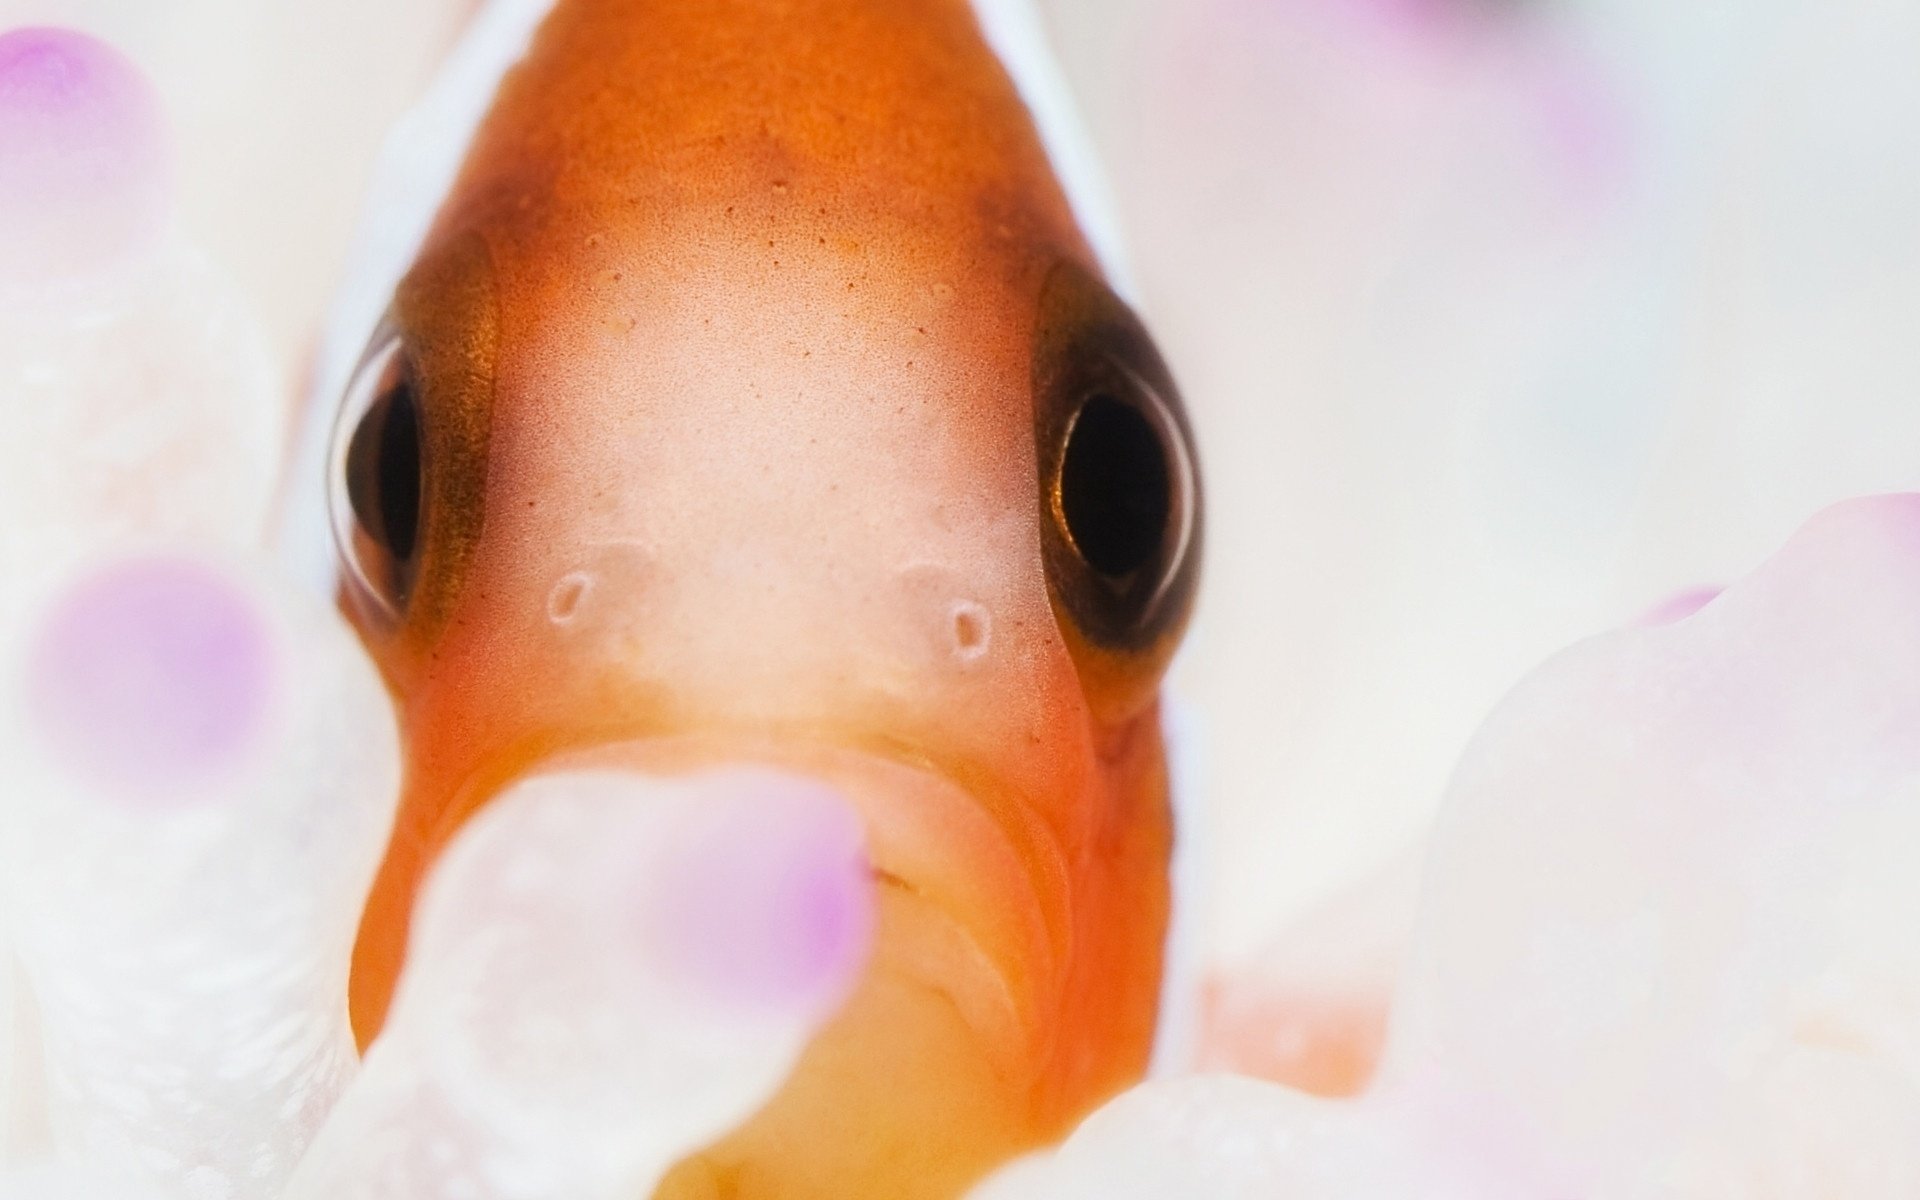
(729, 623)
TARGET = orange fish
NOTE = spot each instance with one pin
(756, 397)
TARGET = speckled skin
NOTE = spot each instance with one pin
(727, 352)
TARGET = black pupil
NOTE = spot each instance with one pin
(383, 470)
(1115, 488)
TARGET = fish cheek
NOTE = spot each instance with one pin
(1120, 500)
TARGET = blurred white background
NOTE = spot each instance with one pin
(1501, 323)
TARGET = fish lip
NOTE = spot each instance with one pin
(961, 873)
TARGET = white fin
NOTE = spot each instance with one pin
(1018, 36)
(1177, 1038)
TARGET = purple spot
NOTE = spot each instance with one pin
(83, 157)
(1410, 19)
(150, 678)
(1677, 607)
(1404, 31)
(1584, 126)
(768, 902)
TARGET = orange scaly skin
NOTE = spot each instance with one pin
(726, 347)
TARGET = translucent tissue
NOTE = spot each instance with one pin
(609, 969)
(201, 775)
(1667, 940)
(138, 399)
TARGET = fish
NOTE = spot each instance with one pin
(762, 391)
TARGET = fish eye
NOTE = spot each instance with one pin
(1124, 499)
(1120, 488)
(1116, 486)
(377, 473)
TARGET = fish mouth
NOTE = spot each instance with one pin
(971, 885)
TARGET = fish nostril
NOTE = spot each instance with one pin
(951, 625)
(613, 588)
(564, 601)
(972, 630)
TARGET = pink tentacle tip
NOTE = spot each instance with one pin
(767, 901)
(1677, 607)
(83, 155)
(150, 680)
(1400, 30)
